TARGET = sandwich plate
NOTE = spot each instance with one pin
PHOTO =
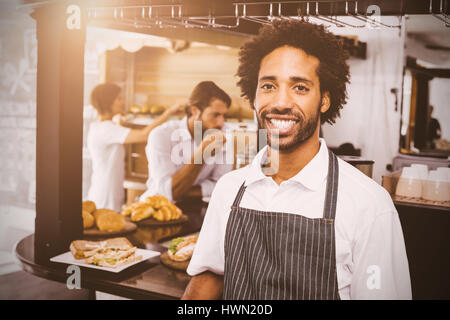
(69, 259)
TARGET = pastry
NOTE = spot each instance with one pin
(88, 219)
(142, 212)
(168, 212)
(157, 201)
(109, 220)
(89, 206)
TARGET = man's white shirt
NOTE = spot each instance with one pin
(371, 259)
(169, 148)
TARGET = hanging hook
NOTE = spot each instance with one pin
(358, 16)
(335, 22)
(445, 18)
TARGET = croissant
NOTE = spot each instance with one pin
(142, 212)
(168, 212)
(157, 201)
(129, 210)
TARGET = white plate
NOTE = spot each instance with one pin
(69, 259)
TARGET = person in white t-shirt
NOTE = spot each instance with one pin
(298, 223)
(105, 144)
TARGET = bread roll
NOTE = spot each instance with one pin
(97, 213)
(89, 206)
(109, 220)
(88, 219)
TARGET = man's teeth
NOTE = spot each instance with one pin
(282, 124)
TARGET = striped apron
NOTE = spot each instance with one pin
(276, 255)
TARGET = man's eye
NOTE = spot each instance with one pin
(267, 86)
(301, 88)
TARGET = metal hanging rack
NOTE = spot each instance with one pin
(173, 17)
(441, 16)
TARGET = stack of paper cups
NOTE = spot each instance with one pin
(409, 185)
(437, 186)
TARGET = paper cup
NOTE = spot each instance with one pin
(421, 170)
(437, 187)
(409, 185)
(444, 172)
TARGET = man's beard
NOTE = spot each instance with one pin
(304, 128)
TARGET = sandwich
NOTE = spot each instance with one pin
(182, 248)
(109, 253)
(113, 258)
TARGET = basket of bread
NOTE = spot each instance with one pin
(155, 211)
(101, 222)
(180, 252)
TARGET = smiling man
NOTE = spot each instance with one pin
(316, 228)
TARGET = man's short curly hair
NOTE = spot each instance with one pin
(315, 40)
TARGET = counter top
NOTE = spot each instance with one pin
(146, 280)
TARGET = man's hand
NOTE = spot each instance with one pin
(178, 107)
(205, 286)
(214, 140)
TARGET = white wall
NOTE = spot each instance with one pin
(369, 119)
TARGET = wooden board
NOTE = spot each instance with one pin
(154, 222)
(129, 227)
(177, 265)
(438, 204)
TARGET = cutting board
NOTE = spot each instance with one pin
(154, 222)
(129, 227)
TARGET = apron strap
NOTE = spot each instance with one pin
(239, 195)
(329, 210)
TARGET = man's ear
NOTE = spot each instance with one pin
(325, 103)
(195, 112)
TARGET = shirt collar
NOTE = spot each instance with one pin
(311, 176)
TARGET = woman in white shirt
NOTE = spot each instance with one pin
(105, 144)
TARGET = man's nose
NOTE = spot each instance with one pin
(281, 99)
(220, 121)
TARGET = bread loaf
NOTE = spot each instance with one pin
(109, 220)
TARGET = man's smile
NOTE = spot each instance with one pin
(285, 124)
